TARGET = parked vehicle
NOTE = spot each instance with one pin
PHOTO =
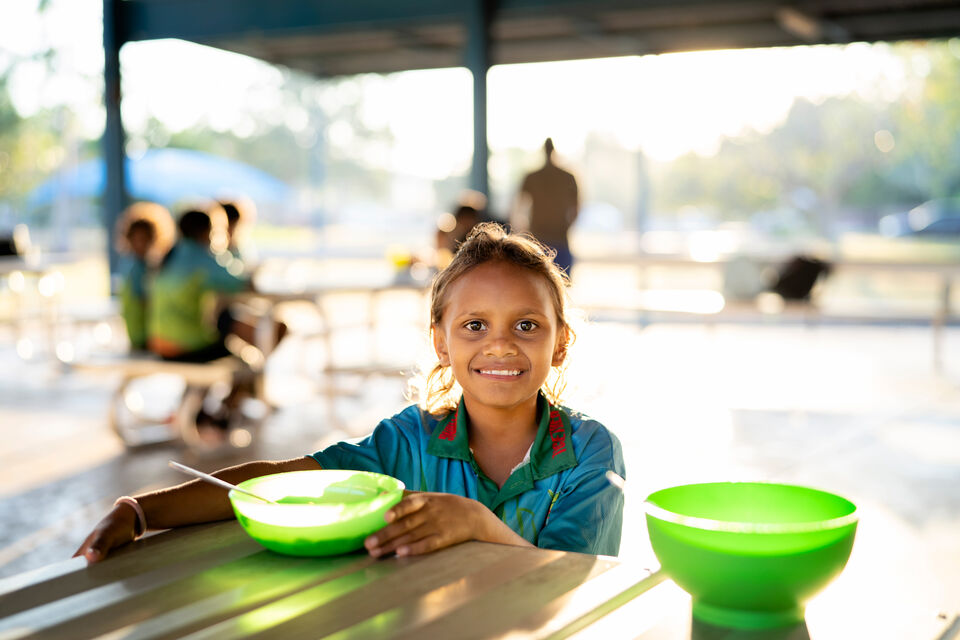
(933, 218)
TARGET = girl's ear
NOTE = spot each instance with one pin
(560, 350)
(440, 345)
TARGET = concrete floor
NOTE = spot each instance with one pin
(858, 410)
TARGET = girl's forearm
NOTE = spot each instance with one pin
(198, 501)
(496, 530)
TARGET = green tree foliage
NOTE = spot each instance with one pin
(927, 122)
(837, 151)
(301, 156)
(9, 136)
(29, 148)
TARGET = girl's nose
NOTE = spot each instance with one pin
(500, 345)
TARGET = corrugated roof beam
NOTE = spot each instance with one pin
(810, 28)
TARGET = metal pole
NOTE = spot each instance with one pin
(115, 191)
(478, 61)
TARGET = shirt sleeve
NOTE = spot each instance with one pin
(587, 515)
(391, 449)
(219, 279)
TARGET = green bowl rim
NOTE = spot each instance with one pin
(246, 498)
(731, 526)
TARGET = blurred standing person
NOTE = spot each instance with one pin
(547, 206)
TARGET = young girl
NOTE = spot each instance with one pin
(489, 455)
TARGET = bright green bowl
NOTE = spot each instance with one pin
(750, 554)
(349, 506)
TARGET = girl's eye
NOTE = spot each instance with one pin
(474, 325)
(526, 325)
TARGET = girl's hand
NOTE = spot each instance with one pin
(424, 522)
(192, 502)
(116, 529)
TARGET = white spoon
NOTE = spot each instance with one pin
(217, 481)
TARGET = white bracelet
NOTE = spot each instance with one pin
(141, 519)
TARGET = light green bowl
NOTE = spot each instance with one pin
(350, 506)
(750, 554)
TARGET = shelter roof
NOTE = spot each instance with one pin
(329, 38)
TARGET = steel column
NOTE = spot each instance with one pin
(478, 61)
(115, 190)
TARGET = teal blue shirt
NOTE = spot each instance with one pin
(559, 499)
(183, 300)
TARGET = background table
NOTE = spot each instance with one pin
(212, 581)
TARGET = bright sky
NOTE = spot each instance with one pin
(665, 105)
(671, 104)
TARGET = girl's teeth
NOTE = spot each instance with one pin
(500, 373)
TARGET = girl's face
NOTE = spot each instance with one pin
(500, 334)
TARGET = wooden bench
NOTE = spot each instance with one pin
(140, 365)
(647, 304)
(709, 307)
(137, 430)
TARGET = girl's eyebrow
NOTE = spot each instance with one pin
(522, 312)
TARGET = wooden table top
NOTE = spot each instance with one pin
(212, 581)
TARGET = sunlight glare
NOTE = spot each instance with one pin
(25, 348)
(16, 281)
(672, 104)
(884, 140)
(65, 351)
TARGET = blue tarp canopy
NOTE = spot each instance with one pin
(167, 176)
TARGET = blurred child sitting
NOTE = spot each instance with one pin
(187, 320)
(239, 259)
(182, 321)
(453, 228)
(144, 235)
(240, 215)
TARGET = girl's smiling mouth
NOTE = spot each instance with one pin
(500, 373)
